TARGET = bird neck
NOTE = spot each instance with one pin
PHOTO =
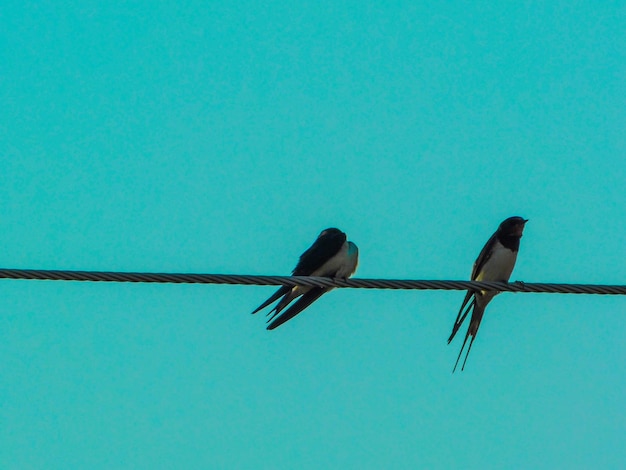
(510, 241)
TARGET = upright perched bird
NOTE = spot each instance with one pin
(331, 255)
(494, 264)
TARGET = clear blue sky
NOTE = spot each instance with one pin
(222, 137)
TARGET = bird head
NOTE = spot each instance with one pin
(513, 226)
(332, 233)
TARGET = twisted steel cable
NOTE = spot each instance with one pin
(236, 279)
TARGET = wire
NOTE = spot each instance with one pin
(104, 276)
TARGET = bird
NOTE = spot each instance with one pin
(331, 255)
(494, 264)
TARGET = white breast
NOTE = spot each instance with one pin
(351, 261)
(342, 265)
(499, 266)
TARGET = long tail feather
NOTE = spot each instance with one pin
(280, 306)
(472, 330)
(461, 318)
(468, 295)
(469, 348)
(279, 293)
(293, 293)
(461, 351)
(306, 300)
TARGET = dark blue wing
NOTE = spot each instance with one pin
(484, 256)
(325, 247)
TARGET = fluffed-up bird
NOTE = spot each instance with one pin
(494, 264)
(331, 255)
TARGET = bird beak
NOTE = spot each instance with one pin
(525, 221)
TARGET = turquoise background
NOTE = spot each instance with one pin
(222, 137)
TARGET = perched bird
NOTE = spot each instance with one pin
(331, 255)
(494, 264)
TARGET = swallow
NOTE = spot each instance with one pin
(331, 255)
(494, 264)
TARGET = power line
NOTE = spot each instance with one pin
(234, 279)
